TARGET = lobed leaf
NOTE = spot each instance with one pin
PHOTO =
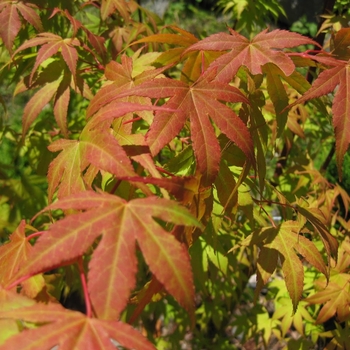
(69, 330)
(30, 15)
(292, 267)
(40, 39)
(121, 224)
(10, 25)
(263, 48)
(98, 148)
(11, 22)
(325, 83)
(13, 254)
(197, 101)
(284, 242)
(336, 300)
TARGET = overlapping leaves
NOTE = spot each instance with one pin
(64, 328)
(283, 243)
(335, 295)
(328, 81)
(197, 101)
(11, 22)
(110, 230)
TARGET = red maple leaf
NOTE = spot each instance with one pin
(52, 44)
(65, 328)
(11, 22)
(265, 47)
(198, 101)
(113, 264)
(326, 82)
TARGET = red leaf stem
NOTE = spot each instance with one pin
(36, 234)
(85, 288)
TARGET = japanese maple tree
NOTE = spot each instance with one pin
(154, 175)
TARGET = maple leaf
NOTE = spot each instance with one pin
(11, 22)
(131, 72)
(55, 82)
(113, 264)
(284, 311)
(69, 330)
(264, 48)
(284, 242)
(197, 101)
(123, 77)
(314, 216)
(195, 62)
(287, 243)
(14, 253)
(335, 295)
(326, 82)
(59, 87)
(51, 44)
(336, 299)
(100, 149)
(124, 7)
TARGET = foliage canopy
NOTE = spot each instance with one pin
(152, 169)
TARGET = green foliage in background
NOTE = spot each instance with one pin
(251, 16)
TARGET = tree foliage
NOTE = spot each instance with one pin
(156, 175)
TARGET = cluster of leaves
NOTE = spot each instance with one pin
(167, 182)
(198, 17)
(250, 15)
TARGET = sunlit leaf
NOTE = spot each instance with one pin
(121, 224)
(69, 330)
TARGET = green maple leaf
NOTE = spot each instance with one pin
(284, 242)
(284, 311)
